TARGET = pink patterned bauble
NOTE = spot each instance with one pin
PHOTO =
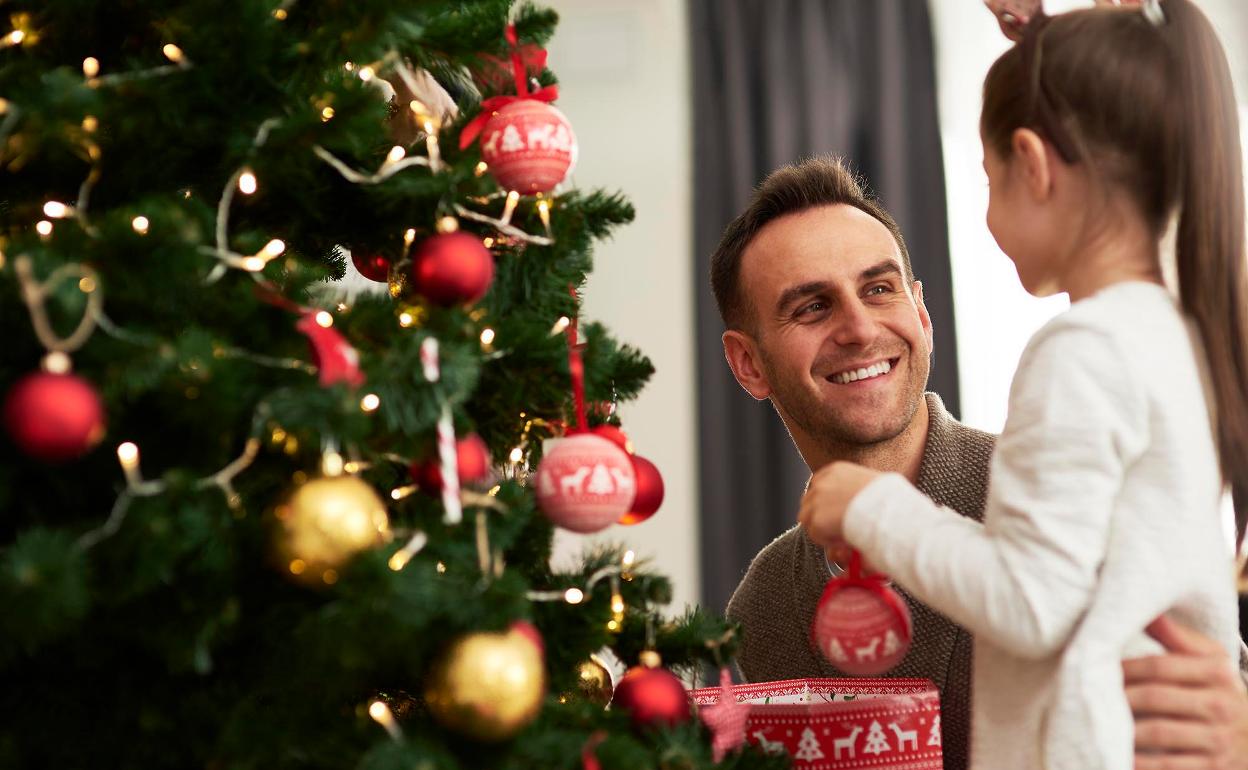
(585, 482)
(862, 630)
(529, 146)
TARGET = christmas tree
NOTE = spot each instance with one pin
(255, 515)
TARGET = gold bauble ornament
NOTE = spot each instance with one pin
(487, 686)
(327, 521)
(593, 681)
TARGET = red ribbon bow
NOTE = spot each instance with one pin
(492, 105)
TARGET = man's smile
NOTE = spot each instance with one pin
(867, 370)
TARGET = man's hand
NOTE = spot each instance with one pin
(827, 498)
(1191, 711)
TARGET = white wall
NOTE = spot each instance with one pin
(624, 85)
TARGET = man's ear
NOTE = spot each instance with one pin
(1030, 156)
(742, 355)
(925, 320)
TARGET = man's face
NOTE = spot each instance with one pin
(841, 340)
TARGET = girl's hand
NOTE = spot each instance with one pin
(827, 498)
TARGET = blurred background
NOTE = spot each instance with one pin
(685, 105)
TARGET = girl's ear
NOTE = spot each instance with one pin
(1032, 158)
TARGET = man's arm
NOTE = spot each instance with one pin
(1190, 705)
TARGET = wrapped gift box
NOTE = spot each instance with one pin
(839, 724)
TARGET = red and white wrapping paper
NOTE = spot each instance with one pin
(843, 724)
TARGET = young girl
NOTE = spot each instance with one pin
(1128, 414)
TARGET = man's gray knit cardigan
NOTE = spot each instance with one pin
(776, 600)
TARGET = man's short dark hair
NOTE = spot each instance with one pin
(820, 181)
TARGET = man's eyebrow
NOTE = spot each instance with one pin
(794, 293)
(883, 268)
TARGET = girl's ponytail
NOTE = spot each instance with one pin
(1210, 244)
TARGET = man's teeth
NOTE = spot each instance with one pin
(853, 375)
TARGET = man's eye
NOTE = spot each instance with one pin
(879, 289)
(813, 307)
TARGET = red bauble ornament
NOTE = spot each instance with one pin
(452, 268)
(374, 267)
(530, 632)
(529, 146)
(649, 492)
(862, 626)
(472, 458)
(585, 483)
(653, 697)
(615, 436)
(54, 417)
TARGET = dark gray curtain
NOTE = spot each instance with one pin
(775, 81)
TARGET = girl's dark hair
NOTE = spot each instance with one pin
(1151, 109)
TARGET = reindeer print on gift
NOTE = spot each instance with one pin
(846, 743)
(769, 747)
(904, 737)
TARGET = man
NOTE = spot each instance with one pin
(825, 319)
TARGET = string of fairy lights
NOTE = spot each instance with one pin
(244, 181)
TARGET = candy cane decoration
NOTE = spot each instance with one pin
(447, 459)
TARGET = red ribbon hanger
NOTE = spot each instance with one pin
(576, 367)
(492, 105)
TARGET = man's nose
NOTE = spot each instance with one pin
(854, 326)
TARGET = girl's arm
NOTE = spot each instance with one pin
(1023, 579)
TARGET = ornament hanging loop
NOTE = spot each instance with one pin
(35, 293)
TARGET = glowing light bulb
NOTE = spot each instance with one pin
(399, 560)
(172, 53)
(56, 362)
(396, 154)
(253, 264)
(406, 320)
(274, 248)
(517, 454)
(247, 182)
(324, 320)
(326, 114)
(370, 402)
(561, 325)
(140, 224)
(43, 227)
(448, 224)
(487, 336)
(331, 464)
(55, 210)
(481, 168)
(366, 73)
(90, 66)
(574, 596)
(128, 454)
(15, 37)
(90, 124)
